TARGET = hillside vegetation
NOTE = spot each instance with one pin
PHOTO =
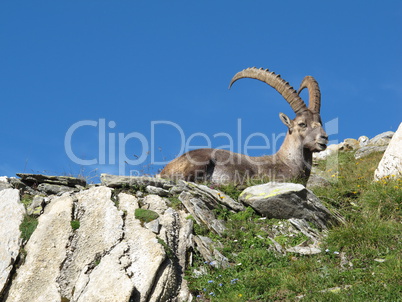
(360, 260)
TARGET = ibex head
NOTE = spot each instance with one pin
(306, 127)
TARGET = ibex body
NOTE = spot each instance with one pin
(293, 161)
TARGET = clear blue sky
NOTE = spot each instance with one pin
(136, 80)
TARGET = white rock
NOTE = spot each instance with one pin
(145, 255)
(101, 228)
(391, 162)
(11, 215)
(363, 140)
(46, 250)
(156, 203)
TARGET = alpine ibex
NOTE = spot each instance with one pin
(293, 161)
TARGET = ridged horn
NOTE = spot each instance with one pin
(276, 82)
(314, 103)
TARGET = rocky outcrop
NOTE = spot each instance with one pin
(11, 215)
(391, 162)
(129, 239)
(107, 256)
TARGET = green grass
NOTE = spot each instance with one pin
(145, 215)
(361, 260)
(75, 224)
(28, 226)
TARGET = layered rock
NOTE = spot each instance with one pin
(93, 245)
(106, 256)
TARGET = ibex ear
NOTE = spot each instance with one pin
(286, 120)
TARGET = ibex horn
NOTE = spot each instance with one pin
(311, 84)
(276, 82)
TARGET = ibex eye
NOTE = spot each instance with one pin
(303, 125)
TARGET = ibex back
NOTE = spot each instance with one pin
(293, 161)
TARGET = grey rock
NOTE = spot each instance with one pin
(158, 191)
(201, 213)
(37, 206)
(213, 198)
(208, 250)
(12, 213)
(381, 139)
(115, 181)
(302, 226)
(24, 188)
(51, 189)
(391, 162)
(153, 226)
(367, 150)
(287, 200)
(37, 179)
(178, 188)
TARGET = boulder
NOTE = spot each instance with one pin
(12, 213)
(382, 139)
(288, 200)
(391, 162)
